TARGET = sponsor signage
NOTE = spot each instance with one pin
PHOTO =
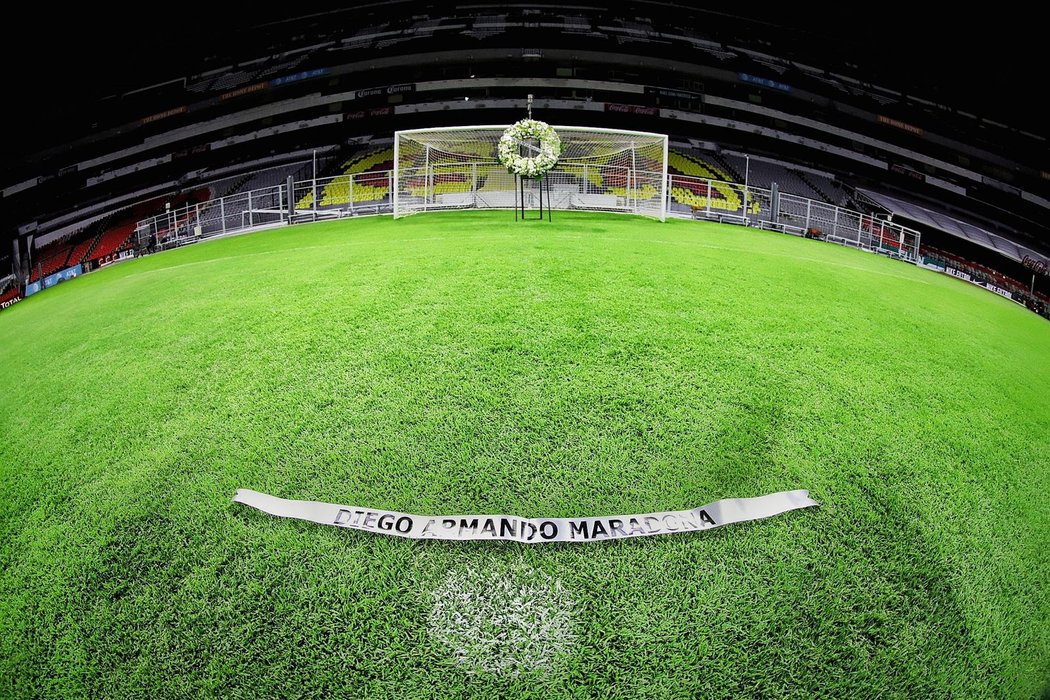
(296, 77)
(1034, 264)
(183, 152)
(674, 94)
(10, 302)
(897, 124)
(115, 257)
(764, 82)
(32, 288)
(163, 115)
(246, 90)
(528, 530)
(999, 290)
(631, 109)
(905, 170)
(934, 265)
(388, 90)
(60, 276)
(374, 112)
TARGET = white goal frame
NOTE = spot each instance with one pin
(627, 176)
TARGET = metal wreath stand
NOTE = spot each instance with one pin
(545, 184)
(519, 191)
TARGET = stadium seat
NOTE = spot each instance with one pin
(113, 240)
(10, 294)
(365, 188)
(723, 196)
(81, 251)
(50, 258)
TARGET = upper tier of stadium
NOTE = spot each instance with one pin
(273, 89)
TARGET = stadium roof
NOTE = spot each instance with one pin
(985, 65)
(952, 226)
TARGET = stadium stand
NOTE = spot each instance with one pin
(227, 80)
(117, 233)
(271, 177)
(51, 258)
(948, 222)
(105, 236)
(185, 215)
(981, 273)
(224, 188)
(82, 250)
(869, 136)
(763, 172)
(694, 193)
(231, 80)
(114, 240)
(727, 167)
(368, 170)
(696, 165)
(1038, 301)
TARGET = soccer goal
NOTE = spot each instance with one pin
(599, 169)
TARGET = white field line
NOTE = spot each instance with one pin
(506, 621)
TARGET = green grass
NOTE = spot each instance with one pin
(461, 363)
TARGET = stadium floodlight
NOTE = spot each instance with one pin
(599, 170)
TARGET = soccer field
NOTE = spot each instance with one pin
(462, 363)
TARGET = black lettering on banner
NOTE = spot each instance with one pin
(687, 522)
(526, 530)
(508, 526)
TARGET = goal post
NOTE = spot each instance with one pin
(599, 169)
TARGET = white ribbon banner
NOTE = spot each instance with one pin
(529, 530)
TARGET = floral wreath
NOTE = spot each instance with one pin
(546, 156)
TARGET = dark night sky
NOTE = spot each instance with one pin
(991, 63)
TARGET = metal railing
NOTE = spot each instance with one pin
(370, 193)
(311, 200)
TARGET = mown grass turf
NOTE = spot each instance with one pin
(462, 363)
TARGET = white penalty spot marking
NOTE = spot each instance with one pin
(505, 621)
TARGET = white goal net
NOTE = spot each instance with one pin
(599, 169)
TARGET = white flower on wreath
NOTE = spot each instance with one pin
(546, 156)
